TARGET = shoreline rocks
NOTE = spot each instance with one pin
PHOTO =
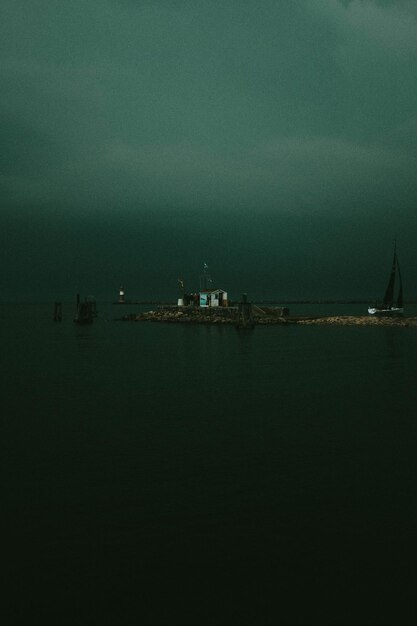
(214, 316)
(362, 320)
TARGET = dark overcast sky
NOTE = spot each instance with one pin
(274, 140)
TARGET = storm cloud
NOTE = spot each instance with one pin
(140, 138)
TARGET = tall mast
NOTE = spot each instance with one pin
(389, 294)
(205, 278)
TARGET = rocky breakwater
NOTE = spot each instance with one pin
(186, 316)
(357, 320)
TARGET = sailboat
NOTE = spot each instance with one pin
(389, 306)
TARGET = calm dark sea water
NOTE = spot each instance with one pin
(194, 475)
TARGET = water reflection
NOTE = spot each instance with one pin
(394, 342)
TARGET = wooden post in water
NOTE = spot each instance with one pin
(57, 311)
(84, 312)
(245, 318)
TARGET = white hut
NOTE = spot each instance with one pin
(213, 297)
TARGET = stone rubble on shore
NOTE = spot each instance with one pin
(199, 316)
(360, 320)
(191, 317)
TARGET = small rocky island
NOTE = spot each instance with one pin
(261, 316)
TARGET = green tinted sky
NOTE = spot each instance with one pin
(275, 140)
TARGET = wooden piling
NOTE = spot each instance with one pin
(57, 311)
(245, 319)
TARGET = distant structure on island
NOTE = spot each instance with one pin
(213, 297)
(122, 299)
(207, 295)
(245, 319)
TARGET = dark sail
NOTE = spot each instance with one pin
(389, 294)
(400, 303)
(389, 306)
